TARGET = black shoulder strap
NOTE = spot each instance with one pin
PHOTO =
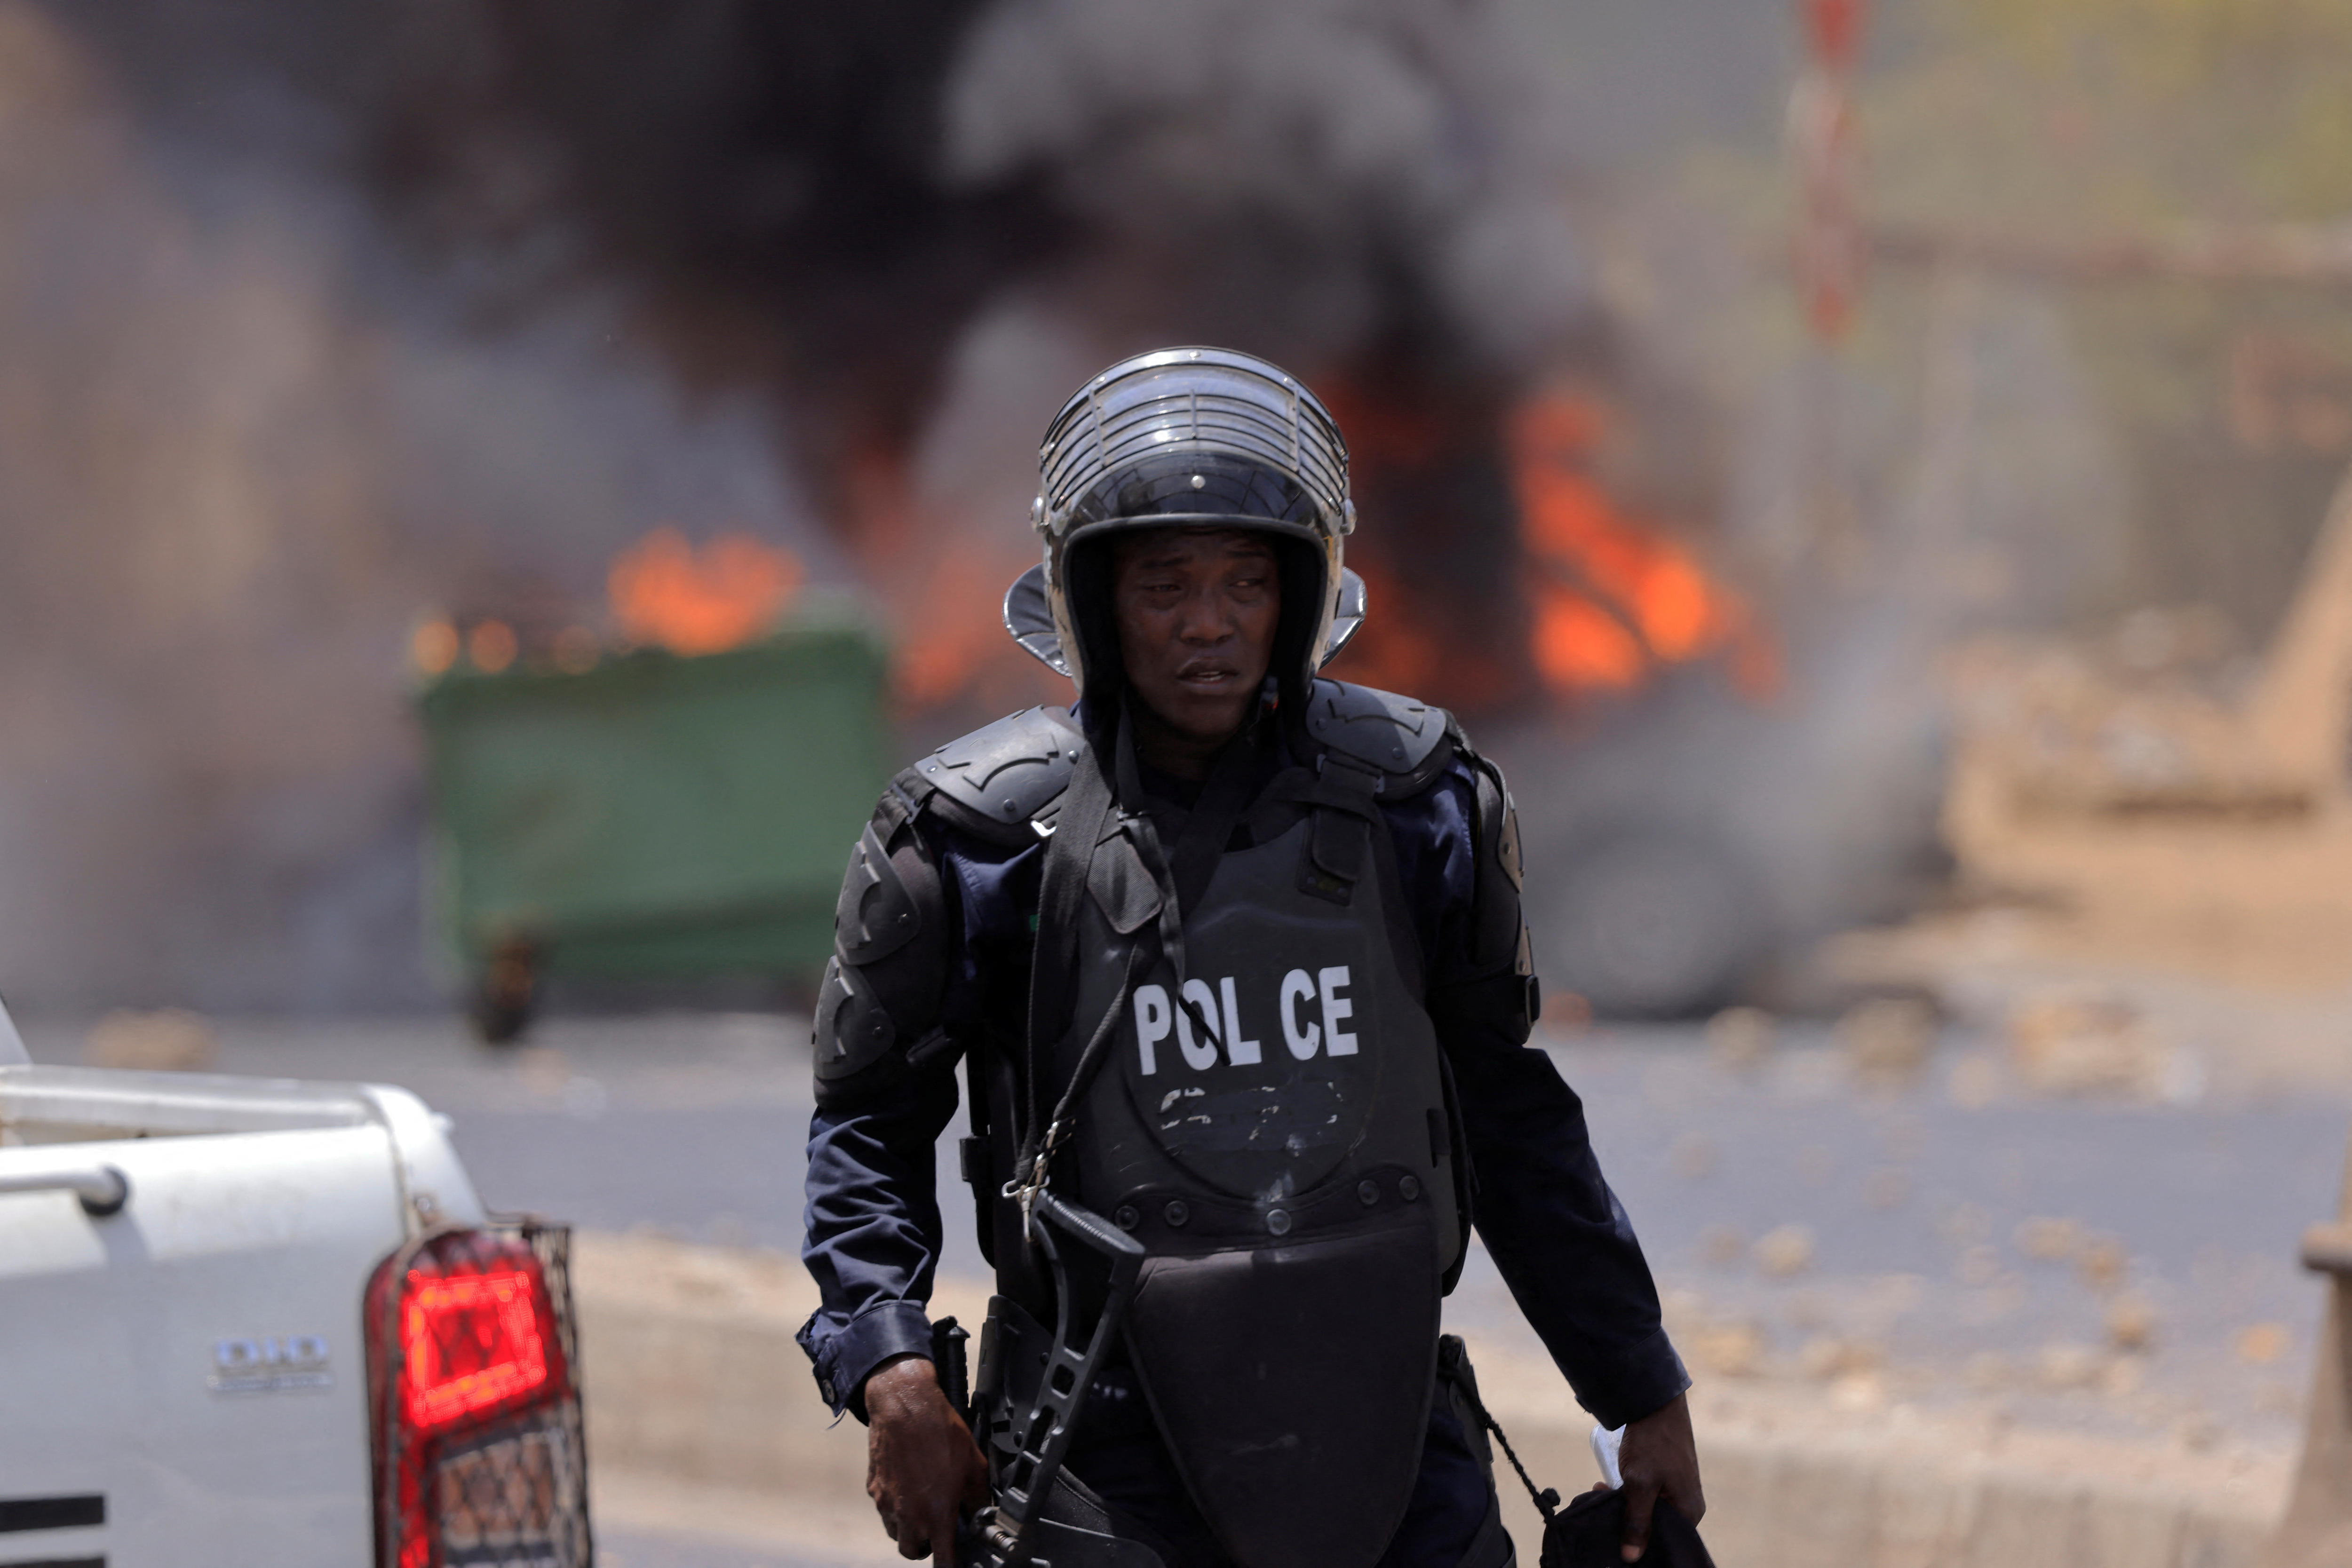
(1062, 885)
(1184, 874)
(1224, 797)
(1344, 800)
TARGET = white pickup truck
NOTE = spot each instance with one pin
(256, 1322)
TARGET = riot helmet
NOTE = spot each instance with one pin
(1187, 438)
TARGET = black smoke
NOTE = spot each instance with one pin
(440, 302)
(837, 207)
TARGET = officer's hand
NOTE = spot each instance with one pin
(1659, 1459)
(921, 1465)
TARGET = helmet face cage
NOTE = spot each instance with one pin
(1193, 438)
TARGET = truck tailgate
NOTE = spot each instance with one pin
(183, 1383)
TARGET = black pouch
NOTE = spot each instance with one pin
(1587, 1533)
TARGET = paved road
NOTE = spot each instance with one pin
(645, 1549)
(1916, 1209)
(1931, 1223)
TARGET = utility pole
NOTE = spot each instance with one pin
(1828, 254)
(1830, 248)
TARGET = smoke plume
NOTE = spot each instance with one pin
(234, 468)
(318, 316)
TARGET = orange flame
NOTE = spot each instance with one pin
(956, 644)
(666, 593)
(1615, 600)
(943, 572)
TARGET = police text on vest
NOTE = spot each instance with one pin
(1313, 1010)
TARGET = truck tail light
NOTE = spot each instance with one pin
(476, 1408)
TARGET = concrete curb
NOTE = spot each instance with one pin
(693, 1379)
(795, 1527)
(1885, 1492)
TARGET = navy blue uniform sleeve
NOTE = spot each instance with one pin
(874, 1232)
(1558, 1236)
(1557, 1233)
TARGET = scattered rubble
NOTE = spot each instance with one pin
(1844, 1338)
(2260, 1344)
(2065, 1365)
(1726, 1349)
(1693, 1155)
(2101, 1263)
(1740, 1039)
(1887, 1040)
(1998, 1299)
(1825, 1357)
(1721, 1247)
(1785, 1252)
(2066, 1043)
(2048, 1240)
(2130, 1323)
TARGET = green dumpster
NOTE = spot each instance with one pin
(653, 816)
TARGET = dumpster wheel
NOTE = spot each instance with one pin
(506, 992)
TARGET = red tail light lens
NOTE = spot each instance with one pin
(478, 1423)
(474, 1342)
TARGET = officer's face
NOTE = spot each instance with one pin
(1196, 619)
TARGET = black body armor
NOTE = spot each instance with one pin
(1281, 1149)
(1270, 1119)
(1269, 1116)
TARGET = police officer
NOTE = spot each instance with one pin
(1232, 955)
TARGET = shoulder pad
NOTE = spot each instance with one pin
(1008, 774)
(877, 914)
(1498, 934)
(1407, 742)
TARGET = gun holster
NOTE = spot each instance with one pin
(1027, 1393)
(1072, 1527)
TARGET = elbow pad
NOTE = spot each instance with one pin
(879, 1007)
